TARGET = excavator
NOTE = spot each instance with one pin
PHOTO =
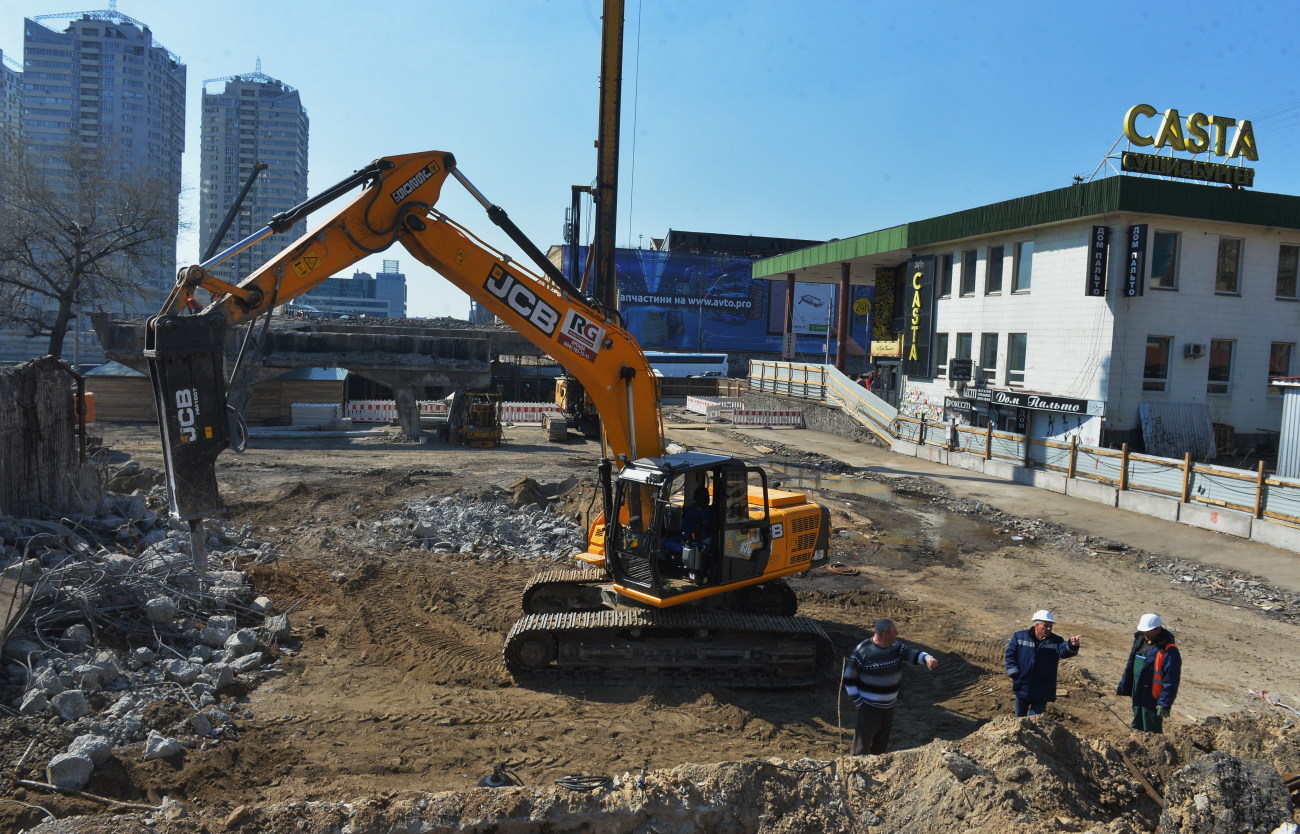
(653, 597)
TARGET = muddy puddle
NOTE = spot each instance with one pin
(912, 529)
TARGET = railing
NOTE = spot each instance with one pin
(1254, 492)
(826, 384)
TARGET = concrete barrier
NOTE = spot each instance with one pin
(1229, 522)
(1049, 481)
(904, 447)
(1276, 533)
(1092, 491)
(934, 454)
(1156, 506)
(1001, 469)
(965, 460)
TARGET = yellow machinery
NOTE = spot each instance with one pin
(635, 610)
(482, 423)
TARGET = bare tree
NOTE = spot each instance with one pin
(74, 234)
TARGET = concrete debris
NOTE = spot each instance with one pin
(69, 771)
(119, 577)
(159, 747)
(1222, 793)
(489, 529)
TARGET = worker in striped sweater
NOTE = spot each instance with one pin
(872, 679)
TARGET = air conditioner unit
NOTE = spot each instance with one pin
(1193, 350)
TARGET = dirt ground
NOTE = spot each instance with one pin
(399, 686)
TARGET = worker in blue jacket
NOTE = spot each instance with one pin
(1151, 674)
(1032, 658)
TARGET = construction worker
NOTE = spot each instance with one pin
(872, 679)
(1151, 674)
(1032, 658)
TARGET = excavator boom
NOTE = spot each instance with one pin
(744, 537)
(396, 205)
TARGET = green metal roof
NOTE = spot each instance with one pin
(1137, 195)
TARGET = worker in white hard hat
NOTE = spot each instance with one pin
(1032, 657)
(1151, 674)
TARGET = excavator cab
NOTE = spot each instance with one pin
(692, 523)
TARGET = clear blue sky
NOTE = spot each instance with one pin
(813, 119)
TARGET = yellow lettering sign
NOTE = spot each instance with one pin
(1171, 131)
(1197, 134)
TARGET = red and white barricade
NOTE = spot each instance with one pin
(756, 417)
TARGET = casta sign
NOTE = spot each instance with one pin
(1196, 134)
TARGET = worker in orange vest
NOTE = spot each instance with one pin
(1151, 674)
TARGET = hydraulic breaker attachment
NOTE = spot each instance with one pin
(186, 363)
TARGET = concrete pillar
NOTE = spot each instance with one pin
(842, 340)
(789, 303)
(408, 412)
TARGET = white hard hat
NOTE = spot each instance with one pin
(1150, 621)
(1042, 615)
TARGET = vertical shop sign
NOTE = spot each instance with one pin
(1098, 249)
(918, 320)
(1137, 249)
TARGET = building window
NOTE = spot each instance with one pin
(945, 276)
(1220, 373)
(1227, 278)
(1279, 363)
(993, 280)
(968, 271)
(964, 341)
(1023, 266)
(1164, 261)
(1155, 370)
(1017, 347)
(988, 356)
(940, 355)
(1287, 258)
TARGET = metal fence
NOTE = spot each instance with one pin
(825, 384)
(1255, 492)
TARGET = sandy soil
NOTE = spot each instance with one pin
(399, 685)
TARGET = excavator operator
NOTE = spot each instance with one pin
(689, 549)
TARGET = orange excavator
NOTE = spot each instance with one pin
(656, 596)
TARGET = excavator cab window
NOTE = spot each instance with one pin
(746, 528)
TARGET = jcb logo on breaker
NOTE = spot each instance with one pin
(187, 414)
(778, 530)
(522, 300)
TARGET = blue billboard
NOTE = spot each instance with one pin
(680, 301)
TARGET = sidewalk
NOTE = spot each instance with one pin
(1279, 567)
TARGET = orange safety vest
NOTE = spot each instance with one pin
(1158, 680)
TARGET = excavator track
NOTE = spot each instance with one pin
(677, 648)
(558, 591)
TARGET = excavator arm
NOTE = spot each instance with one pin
(395, 205)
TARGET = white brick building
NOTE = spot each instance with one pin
(1218, 312)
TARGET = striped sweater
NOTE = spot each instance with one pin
(873, 674)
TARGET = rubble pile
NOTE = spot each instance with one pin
(487, 529)
(110, 624)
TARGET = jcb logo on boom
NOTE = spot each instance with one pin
(521, 299)
(187, 414)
